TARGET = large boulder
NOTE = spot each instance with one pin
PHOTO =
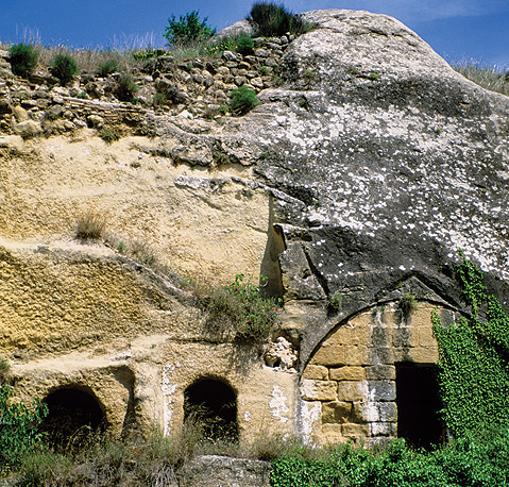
(385, 163)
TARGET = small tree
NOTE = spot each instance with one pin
(187, 30)
(23, 59)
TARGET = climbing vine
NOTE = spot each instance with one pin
(474, 360)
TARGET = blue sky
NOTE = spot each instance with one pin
(457, 29)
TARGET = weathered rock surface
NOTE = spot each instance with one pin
(362, 173)
(215, 471)
(390, 160)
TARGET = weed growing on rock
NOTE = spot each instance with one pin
(187, 30)
(240, 307)
(407, 305)
(243, 100)
(109, 134)
(269, 19)
(336, 301)
(64, 67)
(90, 226)
(126, 87)
(23, 59)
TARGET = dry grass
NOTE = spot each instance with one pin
(5, 368)
(90, 226)
(490, 78)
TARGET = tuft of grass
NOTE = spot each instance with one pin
(107, 67)
(336, 301)
(109, 134)
(90, 226)
(269, 19)
(143, 253)
(489, 78)
(243, 100)
(240, 308)
(64, 67)
(23, 59)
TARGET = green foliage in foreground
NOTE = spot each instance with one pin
(187, 30)
(19, 428)
(240, 307)
(465, 462)
(23, 59)
(474, 361)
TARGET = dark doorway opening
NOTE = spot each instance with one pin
(73, 414)
(212, 403)
(418, 402)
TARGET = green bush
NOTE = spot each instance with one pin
(187, 30)
(242, 100)
(107, 67)
(126, 87)
(23, 59)
(465, 462)
(19, 424)
(240, 307)
(269, 20)
(64, 67)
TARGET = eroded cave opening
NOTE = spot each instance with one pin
(212, 403)
(418, 402)
(73, 414)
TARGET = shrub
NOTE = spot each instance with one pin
(107, 67)
(126, 87)
(187, 30)
(23, 59)
(269, 19)
(245, 44)
(143, 253)
(90, 226)
(109, 134)
(465, 462)
(63, 67)
(242, 100)
(19, 425)
(240, 307)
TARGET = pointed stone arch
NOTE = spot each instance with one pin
(348, 387)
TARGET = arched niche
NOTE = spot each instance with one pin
(74, 412)
(212, 403)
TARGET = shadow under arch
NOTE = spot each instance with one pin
(212, 402)
(74, 412)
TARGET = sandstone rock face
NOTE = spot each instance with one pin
(368, 165)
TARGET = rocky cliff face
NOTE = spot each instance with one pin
(357, 180)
